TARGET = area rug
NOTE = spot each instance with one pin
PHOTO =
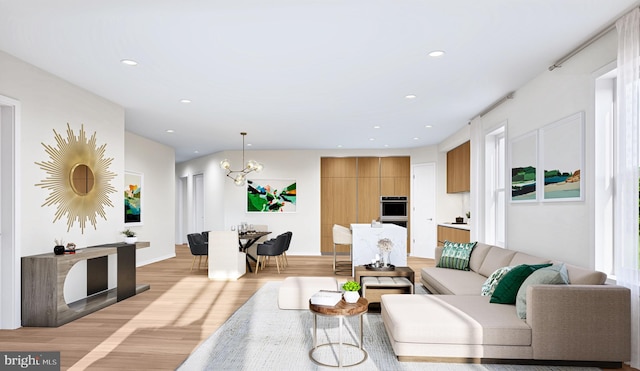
(260, 336)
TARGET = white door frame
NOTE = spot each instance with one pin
(10, 251)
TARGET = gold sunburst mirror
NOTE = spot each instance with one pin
(78, 178)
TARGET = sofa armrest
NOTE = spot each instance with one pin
(580, 322)
(438, 253)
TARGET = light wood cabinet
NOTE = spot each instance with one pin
(452, 235)
(351, 188)
(368, 188)
(395, 173)
(459, 169)
(338, 189)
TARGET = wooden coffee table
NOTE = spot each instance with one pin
(340, 310)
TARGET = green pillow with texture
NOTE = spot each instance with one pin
(554, 275)
(456, 255)
(507, 289)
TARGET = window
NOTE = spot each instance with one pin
(605, 104)
(495, 187)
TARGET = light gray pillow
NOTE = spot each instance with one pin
(553, 275)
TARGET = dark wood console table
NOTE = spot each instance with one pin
(43, 278)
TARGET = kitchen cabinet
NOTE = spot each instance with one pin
(350, 190)
(452, 234)
(459, 169)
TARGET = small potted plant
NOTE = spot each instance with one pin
(351, 294)
(130, 236)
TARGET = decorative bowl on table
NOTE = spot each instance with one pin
(373, 267)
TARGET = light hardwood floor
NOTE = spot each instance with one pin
(159, 328)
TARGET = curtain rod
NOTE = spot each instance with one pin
(577, 50)
(496, 104)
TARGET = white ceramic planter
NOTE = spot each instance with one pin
(351, 296)
(131, 240)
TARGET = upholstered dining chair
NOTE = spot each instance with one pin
(199, 248)
(341, 236)
(289, 235)
(274, 247)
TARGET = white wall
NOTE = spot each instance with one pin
(559, 230)
(48, 103)
(157, 163)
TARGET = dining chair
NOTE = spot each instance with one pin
(289, 235)
(199, 247)
(341, 236)
(274, 247)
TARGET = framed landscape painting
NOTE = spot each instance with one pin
(133, 198)
(524, 165)
(562, 159)
(271, 196)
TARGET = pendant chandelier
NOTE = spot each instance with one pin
(240, 176)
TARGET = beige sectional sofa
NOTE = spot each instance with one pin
(586, 322)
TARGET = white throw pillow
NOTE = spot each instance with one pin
(490, 284)
(554, 275)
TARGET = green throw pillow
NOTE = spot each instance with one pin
(507, 289)
(554, 275)
(491, 283)
(455, 255)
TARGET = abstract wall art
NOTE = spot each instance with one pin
(271, 196)
(133, 209)
(562, 156)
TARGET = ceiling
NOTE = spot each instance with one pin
(299, 74)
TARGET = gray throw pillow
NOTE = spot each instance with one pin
(553, 275)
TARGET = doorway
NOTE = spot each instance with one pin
(423, 211)
(198, 202)
(10, 253)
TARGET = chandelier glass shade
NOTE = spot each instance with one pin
(240, 176)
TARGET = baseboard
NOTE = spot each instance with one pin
(539, 362)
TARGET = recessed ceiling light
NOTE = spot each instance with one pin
(386, 145)
(249, 144)
(416, 138)
(339, 146)
(129, 62)
(376, 126)
(372, 139)
(196, 151)
(170, 131)
(185, 101)
(428, 126)
(436, 53)
(410, 96)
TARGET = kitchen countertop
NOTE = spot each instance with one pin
(457, 226)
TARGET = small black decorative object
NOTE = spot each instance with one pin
(58, 250)
(373, 267)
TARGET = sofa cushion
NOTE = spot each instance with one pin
(507, 289)
(452, 319)
(477, 256)
(522, 258)
(455, 255)
(496, 257)
(489, 286)
(553, 275)
(585, 276)
(451, 281)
